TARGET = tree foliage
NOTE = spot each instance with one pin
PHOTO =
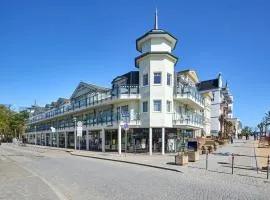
(246, 131)
(12, 123)
(264, 124)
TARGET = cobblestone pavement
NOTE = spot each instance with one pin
(72, 177)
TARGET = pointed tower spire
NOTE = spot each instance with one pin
(156, 20)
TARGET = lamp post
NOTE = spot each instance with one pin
(35, 135)
(75, 135)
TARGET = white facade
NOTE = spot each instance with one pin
(221, 103)
(158, 104)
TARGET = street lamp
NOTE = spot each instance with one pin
(75, 135)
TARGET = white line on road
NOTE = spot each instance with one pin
(56, 191)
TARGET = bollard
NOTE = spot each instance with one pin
(268, 162)
(232, 162)
(206, 164)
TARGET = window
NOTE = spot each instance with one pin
(169, 105)
(213, 99)
(145, 79)
(157, 105)
(145, 106)
(157, 78)
(124, 109)
(169, 79)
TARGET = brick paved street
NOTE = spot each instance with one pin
(53, 174)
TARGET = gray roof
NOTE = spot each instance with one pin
(91, 87)
(208, 85)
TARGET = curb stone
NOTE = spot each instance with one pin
(129, 162)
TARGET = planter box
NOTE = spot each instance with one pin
(181, 159)
(193, 156)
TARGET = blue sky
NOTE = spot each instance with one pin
(48, 47)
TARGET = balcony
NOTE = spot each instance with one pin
(96, 122)
(188, 121)
(190, 96)
(120, 93)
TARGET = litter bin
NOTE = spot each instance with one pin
(193, 153)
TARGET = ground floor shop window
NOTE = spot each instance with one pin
(54, 139)
(62, 140)
(47, 142)
(95, 141)
(174, 140)
(39, 139)
(138, 140)
(81, 141)
(111, 140)
(156, 139)
(42, 139)
(171, 140)
(70, 140)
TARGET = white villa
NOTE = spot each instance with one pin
(221, 107)
(158, 105)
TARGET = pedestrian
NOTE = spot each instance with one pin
(231, 139)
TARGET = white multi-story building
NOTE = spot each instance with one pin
(221, 107)
(156, 103)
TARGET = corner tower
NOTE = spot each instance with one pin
(156, 67)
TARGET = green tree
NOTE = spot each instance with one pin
(12, 123)
(246, 131)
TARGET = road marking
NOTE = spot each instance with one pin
(53, 188)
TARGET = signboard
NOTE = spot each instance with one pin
(126, 126)
(53, 129)
(79, 131)
(79, 124)
(79, 128)
(192, 145)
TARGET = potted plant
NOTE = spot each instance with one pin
(182, 157)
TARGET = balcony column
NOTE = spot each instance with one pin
(178, 135)
(45, 139)
(87, 140)
(39, 139)
(57, 139)
(35, 138)
(119, 139)
(150, 141)
(163, 141)
(103, 140)
(51, 136)
(65, 139)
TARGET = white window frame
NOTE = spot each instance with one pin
(160, 105)
(160, 78)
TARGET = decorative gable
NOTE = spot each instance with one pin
(83, 89)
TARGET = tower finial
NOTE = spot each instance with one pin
(156, 19)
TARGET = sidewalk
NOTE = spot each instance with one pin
(245, 163)
(155, 161)
(263, 151)
(219, 162)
